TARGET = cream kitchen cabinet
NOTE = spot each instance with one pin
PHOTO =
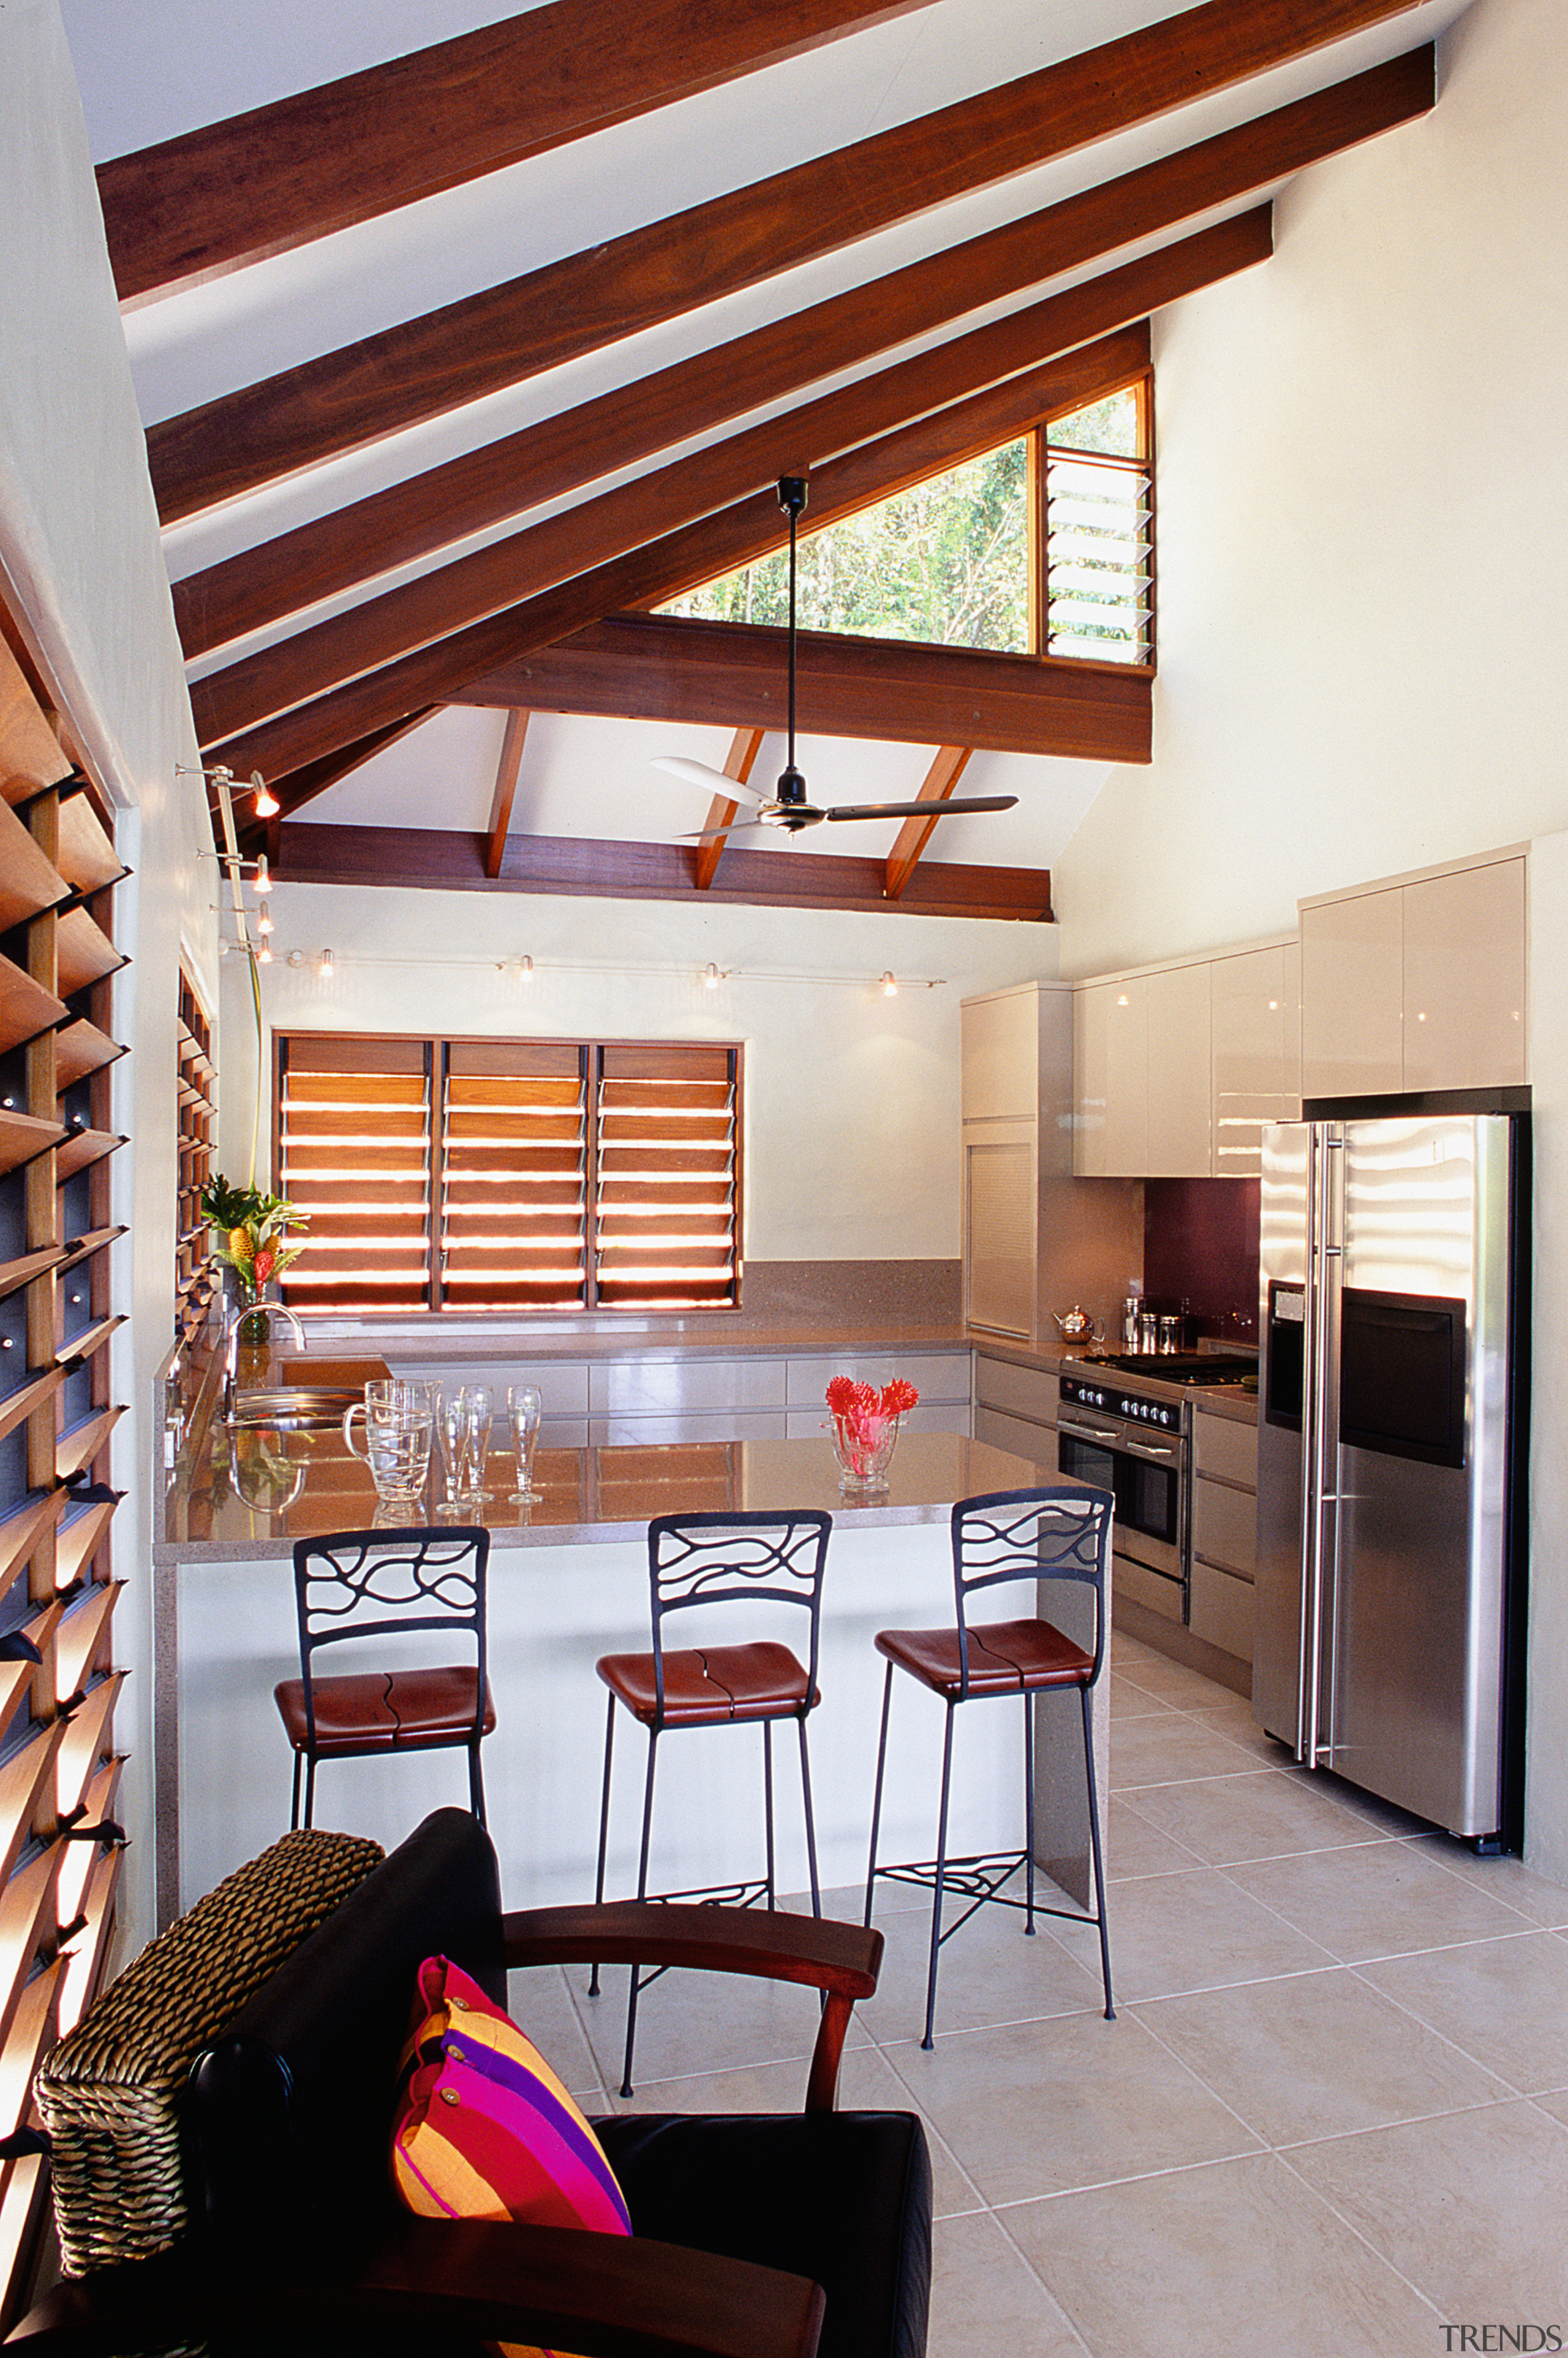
(1016, 1047)
(1015, 1408)
(1223, 1533)
(1417, 983)
(1179, 1067)
(1255, 1017)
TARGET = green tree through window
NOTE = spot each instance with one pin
(946, 561)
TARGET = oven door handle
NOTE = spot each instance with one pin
(1089, 1431)
(1151, 1449)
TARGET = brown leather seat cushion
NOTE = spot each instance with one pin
(385, 1711)
(1005, 1657)
(711, 1683)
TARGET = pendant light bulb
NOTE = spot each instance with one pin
(264, 921)
(267, 803)
(710, 978)
(264, 954)
(525, 970)
(264, 878)
(890, 985)
(327, 968)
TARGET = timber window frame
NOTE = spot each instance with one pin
(451, 1173)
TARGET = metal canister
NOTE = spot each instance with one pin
(1148, 1331)
(1170, 1333)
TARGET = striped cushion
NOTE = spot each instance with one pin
(483, 2129)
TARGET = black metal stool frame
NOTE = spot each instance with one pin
(404, 1582)
(693, 1561)
(1053, 1533)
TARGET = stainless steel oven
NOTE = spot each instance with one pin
(1134, 1444)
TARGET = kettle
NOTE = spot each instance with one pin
(1078, 1326)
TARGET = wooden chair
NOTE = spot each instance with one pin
(379, 1587)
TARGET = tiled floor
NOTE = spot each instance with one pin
(1331, 2116)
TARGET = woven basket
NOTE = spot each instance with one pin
(110, 2092)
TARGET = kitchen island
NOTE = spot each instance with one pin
(569, 1582)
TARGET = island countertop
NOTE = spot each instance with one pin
(246, 1494)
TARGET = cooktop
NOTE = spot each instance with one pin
(1182, 1367)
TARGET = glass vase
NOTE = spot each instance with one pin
(863, 1447)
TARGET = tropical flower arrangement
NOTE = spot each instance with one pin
(253, 1227)
(865, 1426)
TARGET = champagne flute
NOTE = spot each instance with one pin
(479, 1416)
(451, 1423)
(524, 1407)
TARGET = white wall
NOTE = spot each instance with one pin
(82, 571)
(852, 1117)
(1363, 601)
(1363, 578)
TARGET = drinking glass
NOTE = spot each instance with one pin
(452, 1425)
(524, 1407)
(479, 1415)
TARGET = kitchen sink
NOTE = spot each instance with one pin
(296, 1406)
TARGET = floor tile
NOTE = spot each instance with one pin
(1135, 1848)
(1317, 2055)
(1173, 1682)
(1157, 1752)
(690, 2022)
(991, 1970)
(1377, 1900)
(1172, 1934)
(1239, 1726)
(1129, 1700)
(1229, 2258)
(987, 2301)
(1508, 1879)
(1468, 2208)
(1038, 2107)
(1503, 2002)
(1262, 1813)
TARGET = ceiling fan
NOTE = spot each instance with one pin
(788, 808)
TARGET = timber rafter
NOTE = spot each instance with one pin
(488, 340)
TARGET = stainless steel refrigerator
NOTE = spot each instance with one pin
(1392, 1413)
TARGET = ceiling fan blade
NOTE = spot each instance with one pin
(714, 834)
(712, 781)
(959, 803)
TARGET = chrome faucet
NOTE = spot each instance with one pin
(231, 1343)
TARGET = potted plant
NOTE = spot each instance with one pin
(252, 1229)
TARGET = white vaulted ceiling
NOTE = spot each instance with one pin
(155, 71)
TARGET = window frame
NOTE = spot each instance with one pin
(438, 1283)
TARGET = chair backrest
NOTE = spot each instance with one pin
(1061, 1531)
(288, 2112)
(389, 1583)
(714, 1559)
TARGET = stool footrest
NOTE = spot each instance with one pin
(978, 1880)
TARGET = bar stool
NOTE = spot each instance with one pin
(715, 1559)
(380, 1586)
(1057, 1534)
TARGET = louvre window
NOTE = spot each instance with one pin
(511, 1175)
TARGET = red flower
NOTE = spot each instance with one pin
(898, 1396)
(266, 1262)
(840, 1394)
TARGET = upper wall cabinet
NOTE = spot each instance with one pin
(1255, 1016)
(1418, 983)
(1016, 1046)
(1178, 1068)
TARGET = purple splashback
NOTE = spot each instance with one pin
(1200, 1244)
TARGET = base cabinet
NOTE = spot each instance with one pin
(1224, 1533)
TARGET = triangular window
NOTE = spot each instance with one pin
(1057, 523)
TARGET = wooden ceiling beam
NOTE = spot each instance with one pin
(467, 349)
(649, 577)
(738, 762)
(943, 774)
(303, 785)
(271, 180)
(511, 762)
(410, 859)
(657, 668)
(261, 585)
